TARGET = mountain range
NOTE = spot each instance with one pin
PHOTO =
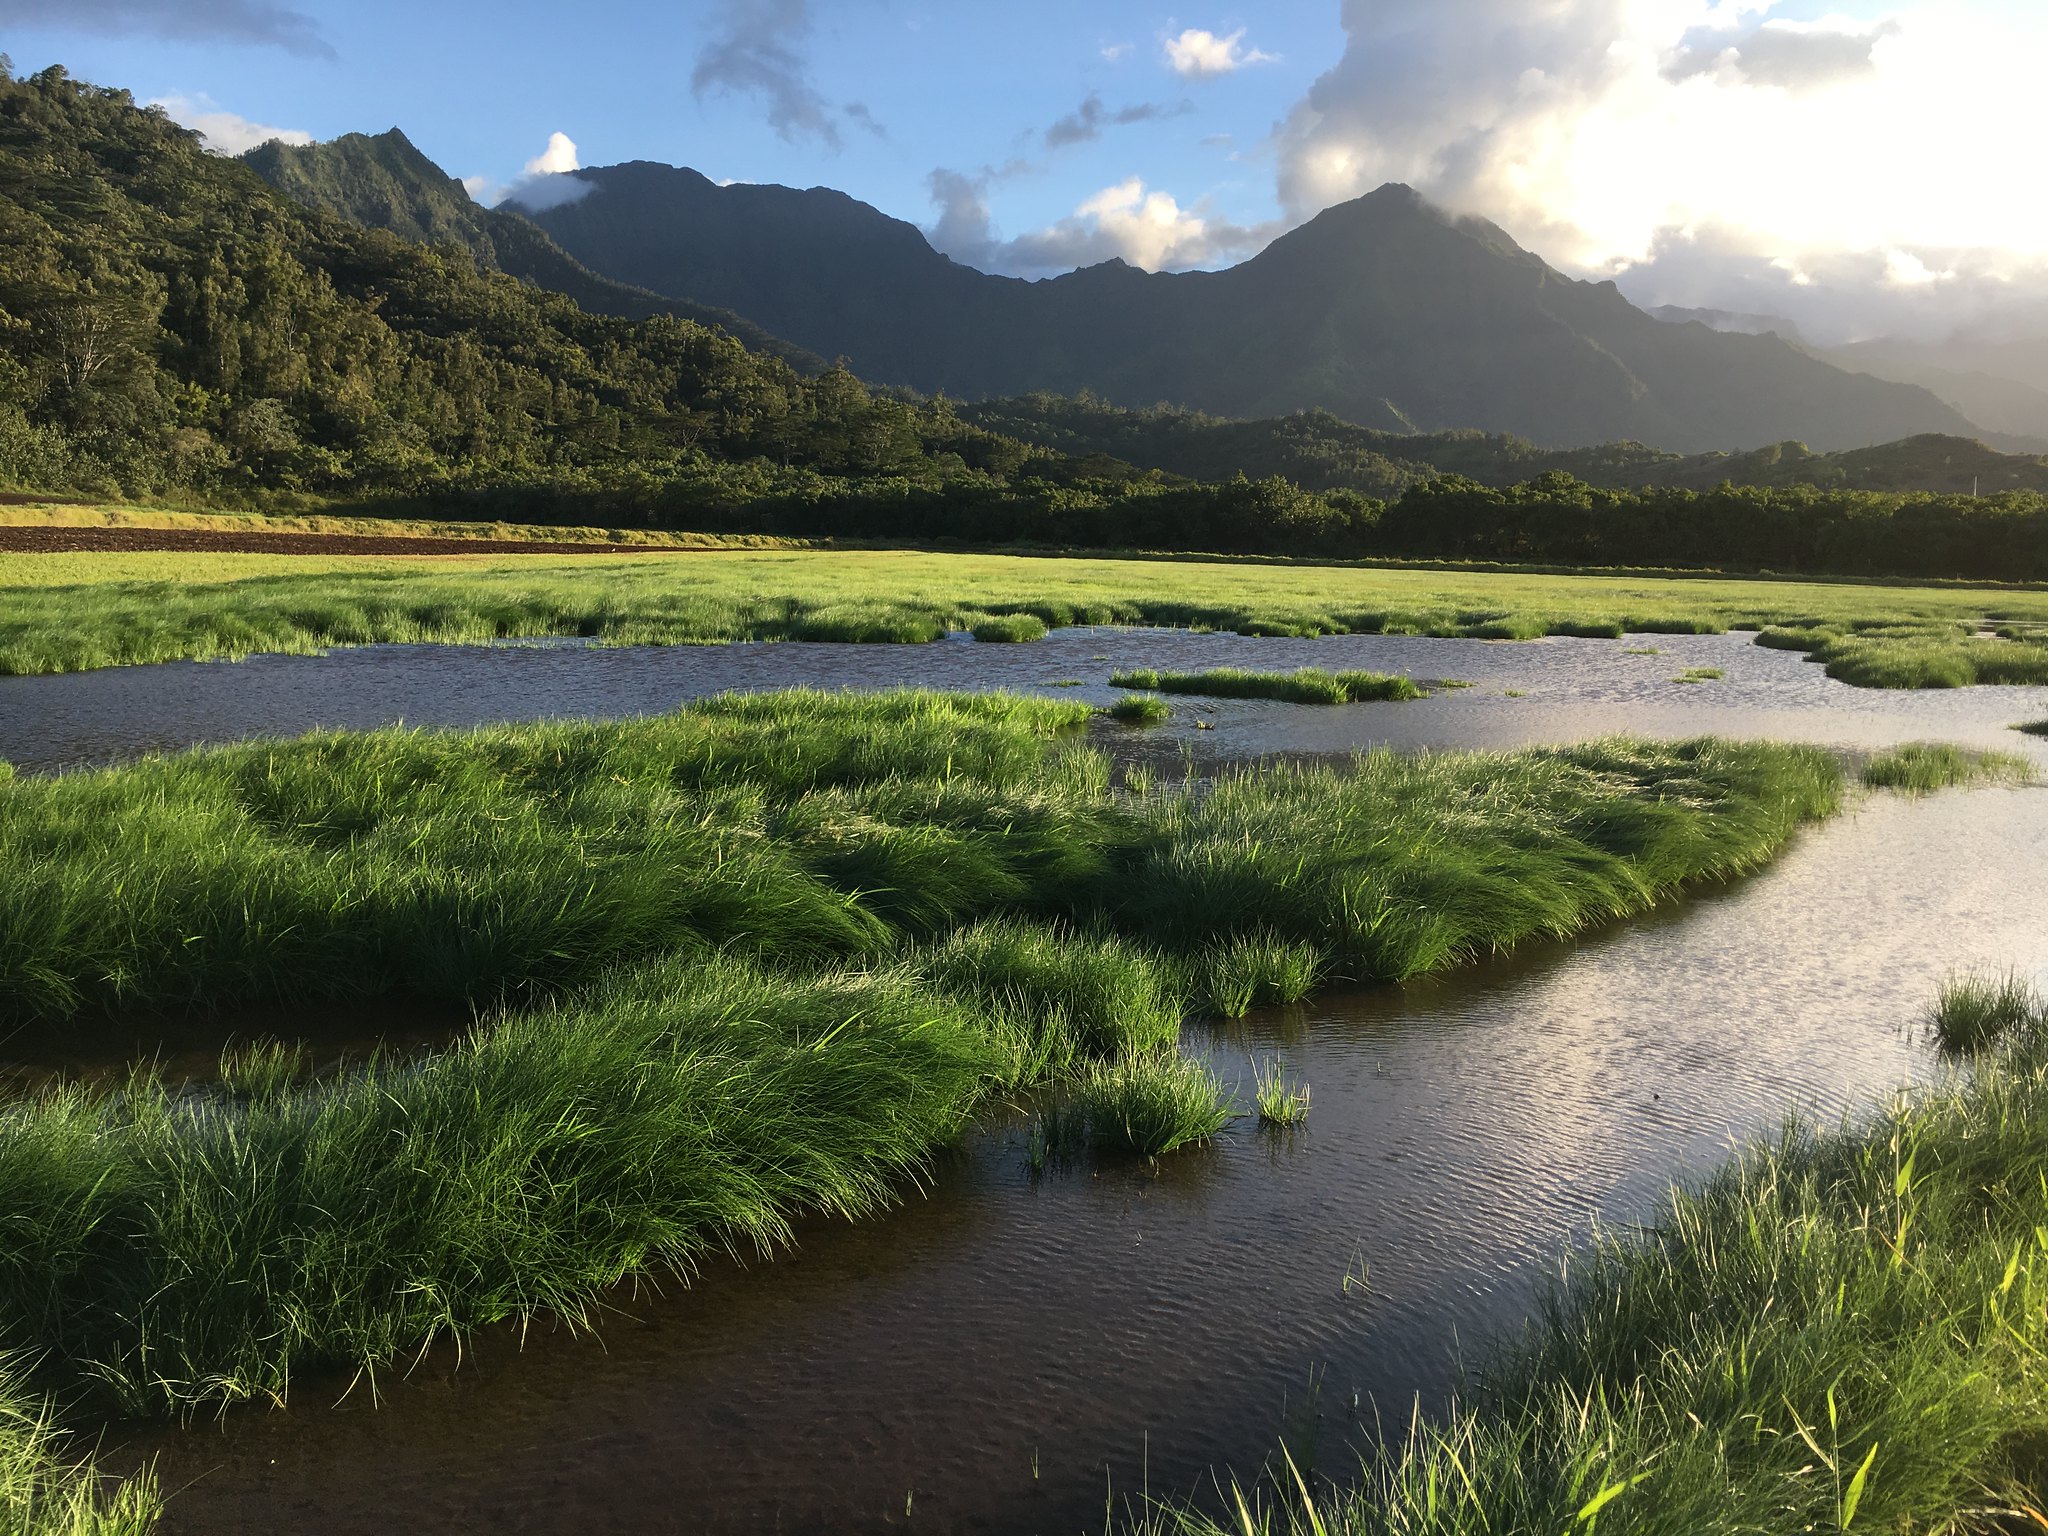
(1386, 311)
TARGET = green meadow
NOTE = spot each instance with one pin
(72, 612)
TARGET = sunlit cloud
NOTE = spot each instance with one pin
(1609, 133)
(1197, 54)
(225, 133)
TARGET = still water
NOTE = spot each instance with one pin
(1003, 1352)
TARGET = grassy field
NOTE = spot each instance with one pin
(77, 515)
(1846, 1330)
(70, 612)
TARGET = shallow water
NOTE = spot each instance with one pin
(995, 1354)
(1570, 689)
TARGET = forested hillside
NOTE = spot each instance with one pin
(170, 323)
(1321, 452)
(382, 181)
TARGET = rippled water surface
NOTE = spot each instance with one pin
(999, 1352)
(1569, 689)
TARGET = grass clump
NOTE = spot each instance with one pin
(473, 865)
(1841, 1331)
(1149, 1104)
(172, 1251)
(1060, 997)
(45, 1493)
(1404, 864)
(1979, 1009)
(1140, 709)
(1922, 767)
(1700, 675)
(1241, 973)
(1307, 685)
(2034, 728)
(1006, 628)
(1876, 654)
(1280, 1100)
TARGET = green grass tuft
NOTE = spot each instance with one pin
(1140, 709)
(1280, 1100)
(1307, 685)
(1150, 1104)
(1979, 1009)
(1008, 628)
(1923, 767)
(1244, 972)
(43, 1492)
(1700, 675)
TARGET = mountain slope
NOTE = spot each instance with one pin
(2001, 385)
(169, 322)
(1385, 310)
(383, 181)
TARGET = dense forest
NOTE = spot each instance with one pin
(1322, 452)
(172, 326)
(169, 323)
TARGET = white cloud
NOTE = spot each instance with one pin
(545, 182)
(1614, 135)
(557, 159)
(1115, 51)
(225, 132)
(1198, 54)
(1124, 222)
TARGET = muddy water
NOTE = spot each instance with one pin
(997, 1353)
(1524, 692)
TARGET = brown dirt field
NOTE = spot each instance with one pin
(50, 540)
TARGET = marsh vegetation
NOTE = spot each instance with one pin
(1305, 685)
(62, 613)
(780, 947)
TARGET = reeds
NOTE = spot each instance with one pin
(1306, 685)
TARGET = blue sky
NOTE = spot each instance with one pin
(965, 86)
(1855, 164)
